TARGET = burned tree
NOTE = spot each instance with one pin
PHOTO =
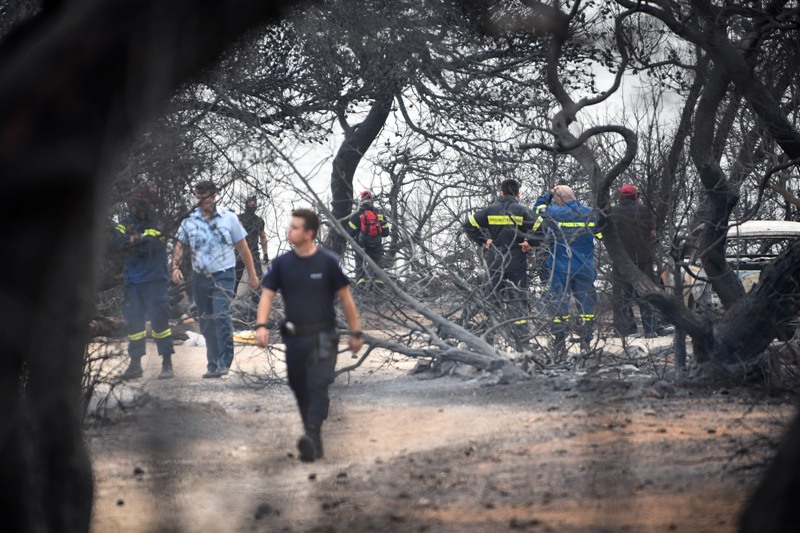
(74, 81)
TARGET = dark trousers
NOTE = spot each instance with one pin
(142, 301)
(580, 285)
(311, 365)
(376, 254)
(212, 297)
(624, 296)
(240, 271)
(508, 289)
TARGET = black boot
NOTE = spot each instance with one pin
(166, 367)
(310, 445)
(316, 438)
(134, 370)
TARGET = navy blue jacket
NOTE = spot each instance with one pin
(146, 257)
(571, 229)
(507, 223)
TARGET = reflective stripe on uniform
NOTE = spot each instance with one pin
(559, 319)
(587, 316)
(518, 322)
(352, 225)
(121, 228)
(162, 334)
(599, 234)
(151, 233)
(473, 221)
(576, 224)
(504, 220)
(137, 336)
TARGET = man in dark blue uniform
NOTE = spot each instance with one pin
(502, 229)
(309, 278)
(139, 236)
(571, 229)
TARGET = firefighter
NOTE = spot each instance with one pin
(368, 226)
(571, 229)
(139, 236)
(503, 230)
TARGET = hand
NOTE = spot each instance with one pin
(252, 281)
(355, 344)
(262, 337)
(488, 243)
(177, 276)
(525, 246)
(265, 259)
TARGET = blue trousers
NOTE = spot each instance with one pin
(212, 297)
(580, 285)
(142, 301)
(311, 365)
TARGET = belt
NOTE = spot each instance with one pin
(293, 330)
(211, 274)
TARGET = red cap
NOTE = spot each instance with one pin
(628, 190)
(366, 195)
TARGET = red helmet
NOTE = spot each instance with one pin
(366, 195)
(628, 191)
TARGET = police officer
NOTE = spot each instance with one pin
(571, 229)
(309, 277)
(502, 229)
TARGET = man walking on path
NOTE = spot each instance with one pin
(309, 277)
(211, 233)
(139, 236)
(571, 228)
(634, 224)
(502, 229)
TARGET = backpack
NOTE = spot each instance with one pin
(371, 228)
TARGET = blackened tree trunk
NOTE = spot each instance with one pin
(73, 83)
(357, 140)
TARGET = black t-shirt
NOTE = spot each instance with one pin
(308, 284)
(253, 225)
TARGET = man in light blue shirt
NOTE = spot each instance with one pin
(211, 233)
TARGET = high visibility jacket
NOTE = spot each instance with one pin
(146, 258)
(571, 229)
(507, 223)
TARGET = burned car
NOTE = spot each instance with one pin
(750, 247)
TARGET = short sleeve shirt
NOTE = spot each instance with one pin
(211, 241)
(308, 285)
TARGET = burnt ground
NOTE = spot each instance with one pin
(570, 450)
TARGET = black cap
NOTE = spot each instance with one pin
(205, 187)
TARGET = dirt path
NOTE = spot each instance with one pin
(565, 452)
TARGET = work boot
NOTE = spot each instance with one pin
(134, 370)
(308, 452)
(166, 367)
(314, 434)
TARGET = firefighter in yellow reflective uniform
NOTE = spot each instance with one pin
(145, 274)
(503, 229)
(571, 229)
